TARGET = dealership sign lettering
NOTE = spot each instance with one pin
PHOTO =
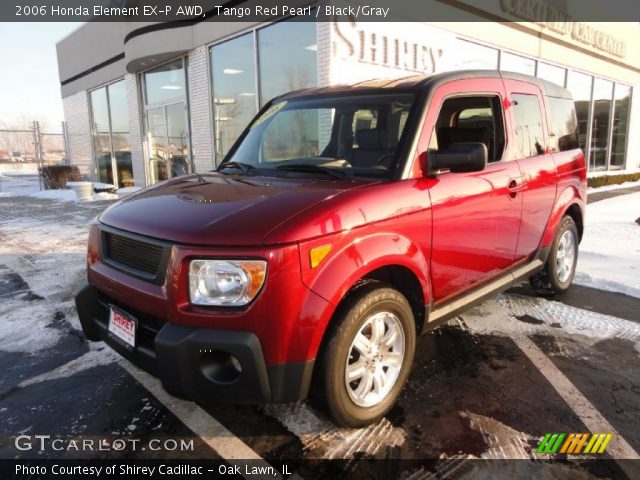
(378, 47)
(545, 15)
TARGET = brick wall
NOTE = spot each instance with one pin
(323, 45)
(136, 130)
(76, 114)
(200, 110)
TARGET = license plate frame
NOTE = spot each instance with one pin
(122, 327)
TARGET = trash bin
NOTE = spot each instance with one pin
(84, 190)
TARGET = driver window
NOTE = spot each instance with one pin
(470, 119)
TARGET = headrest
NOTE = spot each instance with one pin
(449, 135)
(369, 139)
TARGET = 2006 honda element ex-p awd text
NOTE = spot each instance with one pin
(343, 222)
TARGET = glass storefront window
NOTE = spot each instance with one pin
(101, 136)
(474, 56)
(120, 133)
(620, 126)
(168, 150)
(100, 110)
(287, 58)
(157, 143)
(110, 129)
(552, 73)
(602, 95)
(178, 139)
(165, 83)
(516, 63)
(234, 90)
(579, 85)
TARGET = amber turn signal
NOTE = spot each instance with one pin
(318, 254)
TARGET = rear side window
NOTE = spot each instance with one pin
(529, 135)
(563, 125)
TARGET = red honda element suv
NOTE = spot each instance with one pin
(343, 222)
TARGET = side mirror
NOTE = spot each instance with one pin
(459, 158)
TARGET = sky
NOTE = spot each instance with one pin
(29, 82)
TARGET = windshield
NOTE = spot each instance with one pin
(349, 136)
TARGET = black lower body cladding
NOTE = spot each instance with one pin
(199, 363)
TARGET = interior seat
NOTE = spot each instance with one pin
(448, 135)
(371, 148)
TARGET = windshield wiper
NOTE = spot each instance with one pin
(245, 167)
(201, 179)
(310, 167)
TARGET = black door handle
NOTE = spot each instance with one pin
(514, 186)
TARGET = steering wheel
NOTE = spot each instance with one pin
(386, 160)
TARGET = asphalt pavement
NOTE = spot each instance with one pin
(489, 384)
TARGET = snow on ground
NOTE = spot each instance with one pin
(323, 439)
(12, 169)
(495, 317)
(97, 355)
(105, 196)
(25, 326)
(609, 257)
(18, 181)
(59, 195)
(123, 192)
(25, 182)
(44, 243)
(103, 186)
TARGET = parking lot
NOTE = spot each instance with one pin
(489, 384)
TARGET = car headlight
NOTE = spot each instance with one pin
(225, 282)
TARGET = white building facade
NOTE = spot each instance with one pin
(149, 101)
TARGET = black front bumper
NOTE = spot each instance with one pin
(196, 362)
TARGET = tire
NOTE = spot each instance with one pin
(372, 311)
(558, 272)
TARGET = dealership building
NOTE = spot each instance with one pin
(147, 101)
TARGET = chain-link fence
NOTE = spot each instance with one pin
(29, 143)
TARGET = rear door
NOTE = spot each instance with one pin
(476, 217)
(530, 146)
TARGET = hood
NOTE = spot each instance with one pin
(217, 209)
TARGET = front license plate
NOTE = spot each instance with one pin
(122, 326)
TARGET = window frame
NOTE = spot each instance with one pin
(543, 120)
(503, 158)
(94, 133)
(613, 113)
(145, 107)
(254, 32)
(569, 70)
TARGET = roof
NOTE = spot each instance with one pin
(423, 82)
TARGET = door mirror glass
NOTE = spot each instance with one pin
(459, 158)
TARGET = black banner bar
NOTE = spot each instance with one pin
(551, 12)
(354, 469)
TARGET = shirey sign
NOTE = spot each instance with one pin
(365, 50)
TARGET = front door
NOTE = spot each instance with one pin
(476, 216)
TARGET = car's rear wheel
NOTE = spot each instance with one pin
(558, 273)
(368, 355)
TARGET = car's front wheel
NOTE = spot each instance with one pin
(557, 275)
(368, 356)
